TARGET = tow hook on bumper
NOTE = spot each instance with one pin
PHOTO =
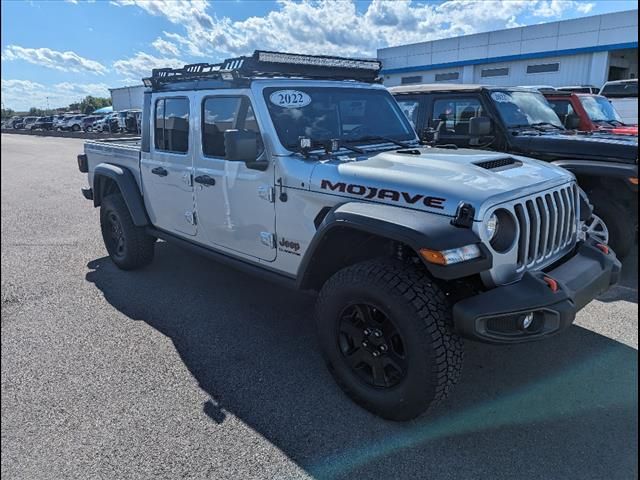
(541, 303)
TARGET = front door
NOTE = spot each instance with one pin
(450, 116)
(167, 169)
(235, 204)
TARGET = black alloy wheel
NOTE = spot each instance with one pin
(372, 345)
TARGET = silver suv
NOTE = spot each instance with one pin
(304, 170)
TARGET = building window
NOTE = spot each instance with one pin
(543, 68)
(495, 72)
(445, 77)
(408, 80)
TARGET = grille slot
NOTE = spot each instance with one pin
(547, 224)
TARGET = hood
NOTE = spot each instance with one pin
(600, 147)
(435, 179)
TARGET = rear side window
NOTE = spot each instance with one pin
(220, 114)
(620, 90)
(172, 125)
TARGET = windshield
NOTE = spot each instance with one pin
(522, 109)
(324, 113)
(600, 109)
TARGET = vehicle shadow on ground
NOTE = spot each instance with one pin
(563, 408)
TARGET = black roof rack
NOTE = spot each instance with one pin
(271, 64)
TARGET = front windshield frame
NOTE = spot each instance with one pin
(595, 105)
(348, 93)
(529, 118)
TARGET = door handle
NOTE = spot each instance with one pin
(205, 180)
(160, 171)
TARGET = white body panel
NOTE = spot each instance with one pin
(627, 108)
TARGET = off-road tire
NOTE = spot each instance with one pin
(421, 313)
(621, 227)
(137, 247)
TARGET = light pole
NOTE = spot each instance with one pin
(47, 105)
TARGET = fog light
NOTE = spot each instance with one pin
(526, 321)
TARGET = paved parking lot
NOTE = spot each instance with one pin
(188, 369)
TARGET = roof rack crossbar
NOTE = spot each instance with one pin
(272, 64)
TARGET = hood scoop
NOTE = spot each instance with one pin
(499, 164)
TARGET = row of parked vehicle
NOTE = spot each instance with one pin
(120, 122)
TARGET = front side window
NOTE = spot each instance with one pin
(600, 109)
(524, 109)
(326, 113)
(220, 114)
(452, 115)
(172, 125)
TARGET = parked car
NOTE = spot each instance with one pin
(73, 123)
(588, 113)
(88, 122)
(102, 124)
(43, 123)
(28, 122)
(579, 89)
(60, 120)
(540, 88)
(13, 121)
(322, 184)
(520, 121)
(623, 95)
(132, 121)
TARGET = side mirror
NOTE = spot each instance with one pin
(244, 146)
(479, 126)
(572, 122)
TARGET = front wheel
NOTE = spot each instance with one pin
(621, 228)
(75, 128)
(385, 330)
(128, 246)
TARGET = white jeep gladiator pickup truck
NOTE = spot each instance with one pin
(305, 170)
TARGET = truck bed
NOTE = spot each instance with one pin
(117, 151)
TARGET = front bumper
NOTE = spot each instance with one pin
(496, 316)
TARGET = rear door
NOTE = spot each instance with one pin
(167, 168)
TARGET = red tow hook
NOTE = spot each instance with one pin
(603, 248)
(553, 285)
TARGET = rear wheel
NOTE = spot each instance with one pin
(75, 127)
(128, 246)
(385, 330)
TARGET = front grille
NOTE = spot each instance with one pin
(547, 225)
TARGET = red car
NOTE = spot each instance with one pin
(588, 112)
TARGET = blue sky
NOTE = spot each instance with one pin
(65, 50)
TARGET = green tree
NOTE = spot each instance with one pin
(37, 112)
(89, 104)
(7, 113)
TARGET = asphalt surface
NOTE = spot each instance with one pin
(188, 369)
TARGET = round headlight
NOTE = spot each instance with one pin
(491, 226)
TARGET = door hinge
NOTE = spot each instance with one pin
(267, 193)
(268, 239)
(191, 217)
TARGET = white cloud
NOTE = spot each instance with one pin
(21, 95)
(336, 27)
(141, 64)
(45, 57)
(166, 47)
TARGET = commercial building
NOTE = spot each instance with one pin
(125, 98)
(583, 51)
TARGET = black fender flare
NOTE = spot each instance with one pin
(123, 177)
(594, 168)
(413, 228)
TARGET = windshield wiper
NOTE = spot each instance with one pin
(543, 124)
(379, 137)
